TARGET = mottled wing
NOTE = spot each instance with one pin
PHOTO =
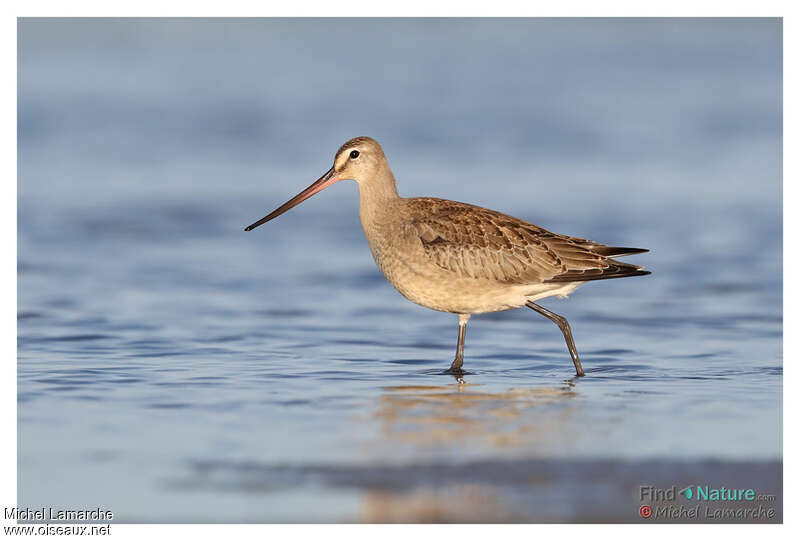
(474, 242)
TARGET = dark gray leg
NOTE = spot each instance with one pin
(561, 321)
(455, 368)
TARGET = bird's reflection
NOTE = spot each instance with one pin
(457, 421)
(429, 415)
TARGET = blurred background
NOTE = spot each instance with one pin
(173, 368)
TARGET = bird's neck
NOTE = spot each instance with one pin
(377, 199)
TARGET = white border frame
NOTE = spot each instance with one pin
(415, 8)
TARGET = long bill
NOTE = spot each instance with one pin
(323, 182)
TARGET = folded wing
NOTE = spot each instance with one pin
(475, 242)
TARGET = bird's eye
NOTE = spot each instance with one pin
(354, 155)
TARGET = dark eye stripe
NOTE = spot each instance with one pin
(354, 155)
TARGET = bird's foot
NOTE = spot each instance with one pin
(455, 368)
(456, 371)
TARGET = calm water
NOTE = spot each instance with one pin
(174, 368)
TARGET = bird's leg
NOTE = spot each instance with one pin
(561, 321)
(455, 368)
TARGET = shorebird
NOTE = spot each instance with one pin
(460, 258)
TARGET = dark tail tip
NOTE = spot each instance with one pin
(610, 251)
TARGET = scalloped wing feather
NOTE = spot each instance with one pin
(475, 242)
